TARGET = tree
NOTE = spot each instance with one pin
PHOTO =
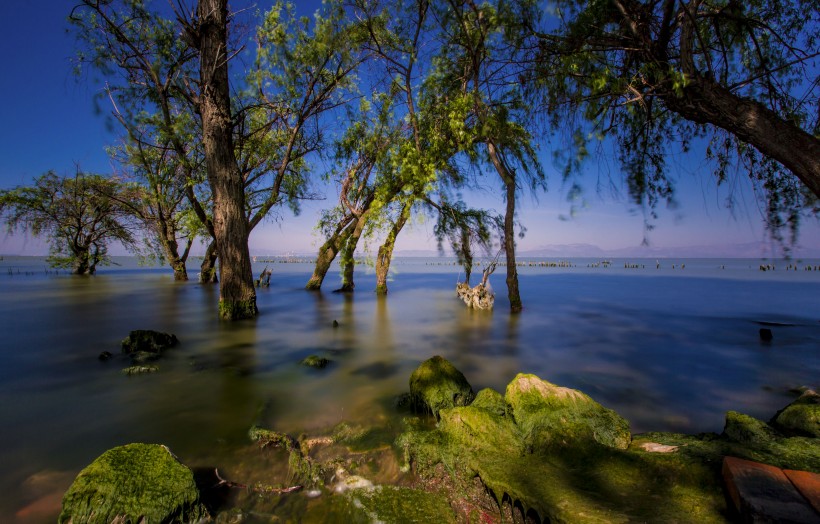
(160, 202)
(477, 76)
(739, 76)
(79, 216)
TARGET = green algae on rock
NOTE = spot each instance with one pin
(801, 417)
(548, 415)
(314, 361)
(133, 483)
(436, 384)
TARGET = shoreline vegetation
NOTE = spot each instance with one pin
(536, 453)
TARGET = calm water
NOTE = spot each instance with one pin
(669, 349)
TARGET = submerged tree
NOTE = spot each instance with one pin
(477, 76)
(79, 216)
(739, 76)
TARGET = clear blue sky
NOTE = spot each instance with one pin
(49, 122)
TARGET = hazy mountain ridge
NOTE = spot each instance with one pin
(752, 250)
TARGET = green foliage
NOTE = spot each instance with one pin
(79, 216)
(626, 73)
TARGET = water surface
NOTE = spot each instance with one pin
(669, 349)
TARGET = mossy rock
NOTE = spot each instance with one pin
(492, 401)
(133, 483)
(747, 430)
(466, 425)
(550, 415)
(753, 439)
(381, 504)
(398, 504)
(436, 384)
(148, 341)
(314, 361)
(801, 417)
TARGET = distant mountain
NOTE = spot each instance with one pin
(745, 250)
(565, 250)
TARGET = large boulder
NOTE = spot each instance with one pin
(550, 415)
(133, 483)
(801, 417)
(148, 341)
(436, 384)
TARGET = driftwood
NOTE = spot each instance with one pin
(254, 489)
(264, 278)
(481, 296)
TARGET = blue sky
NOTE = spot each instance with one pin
(49, 121)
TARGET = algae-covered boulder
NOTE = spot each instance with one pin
(437, 384)
(314, 361)
(133, 483)
(148, 341)
(492, 401)
(744, 429)
(550, 415)
(801, 417)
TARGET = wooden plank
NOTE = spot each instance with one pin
(763, 493)
(808, 484)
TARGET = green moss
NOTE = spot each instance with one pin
(436, 384)
(550, 415)
(747, 430)
(139, 370)
(380, 504)
(397, 504)
(361, 438)
(801, 417)
(314, 361)
(133, 482)
(237, 310)
(381, 289)
(492, 401)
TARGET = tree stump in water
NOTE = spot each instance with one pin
(478, 297)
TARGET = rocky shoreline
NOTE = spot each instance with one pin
(538, 452)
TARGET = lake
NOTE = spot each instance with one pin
(670, 349)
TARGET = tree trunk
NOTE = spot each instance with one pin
(508, 178)
(329, 250)
(348, 251)
(707, 102)
(171, 248)
(237, 295)
(207, 271)
(385, 255)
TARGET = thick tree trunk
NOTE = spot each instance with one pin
(509, 229)
(707, 102)
(348, 251)
(237, 295)
(385, 255)
(329, 250)
(207, 271)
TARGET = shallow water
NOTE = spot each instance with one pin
(669, 349)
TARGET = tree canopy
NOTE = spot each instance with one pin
(79, 216)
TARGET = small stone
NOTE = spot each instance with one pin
(766, 334)
(335, 323)
(654, 447)
(105, 355)
(314, 361)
